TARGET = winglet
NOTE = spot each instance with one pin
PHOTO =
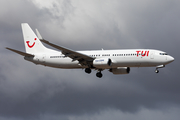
(39, 35)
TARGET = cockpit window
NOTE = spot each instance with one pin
(163, 53)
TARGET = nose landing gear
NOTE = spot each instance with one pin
(160, 66)
(156, 71)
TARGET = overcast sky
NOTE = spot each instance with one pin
(33, 92)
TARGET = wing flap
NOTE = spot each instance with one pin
(19, 52)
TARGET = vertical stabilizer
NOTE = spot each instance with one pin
(31, 41)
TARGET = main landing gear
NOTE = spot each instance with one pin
(98, 74)
(88, 70)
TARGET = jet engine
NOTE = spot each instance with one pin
(120, 70)
(102, 63)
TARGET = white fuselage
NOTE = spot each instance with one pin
(120, 58)
(117, 61)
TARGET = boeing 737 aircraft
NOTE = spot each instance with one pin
(116, 61)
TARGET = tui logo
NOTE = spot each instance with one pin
(30, 46)
(142, 53)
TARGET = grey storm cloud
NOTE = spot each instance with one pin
(29, 91)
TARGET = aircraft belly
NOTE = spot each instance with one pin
(135, 62)
(127, 62)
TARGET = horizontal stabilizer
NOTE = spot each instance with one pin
(21, 53)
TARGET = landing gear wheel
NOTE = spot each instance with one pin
(88, 70)
(99, 74)
(157, 71)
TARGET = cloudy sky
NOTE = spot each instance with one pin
(32, 92)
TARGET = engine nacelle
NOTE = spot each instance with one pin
(102, 63)
(120, 70)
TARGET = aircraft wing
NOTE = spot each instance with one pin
(19, 52)
(82, 58)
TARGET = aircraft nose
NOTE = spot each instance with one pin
(170, 59)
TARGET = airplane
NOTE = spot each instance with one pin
(116, 61)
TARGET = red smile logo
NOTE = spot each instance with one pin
(30, 46)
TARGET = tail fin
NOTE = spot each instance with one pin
(31, 41)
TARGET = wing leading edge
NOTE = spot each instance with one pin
(74, 55)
